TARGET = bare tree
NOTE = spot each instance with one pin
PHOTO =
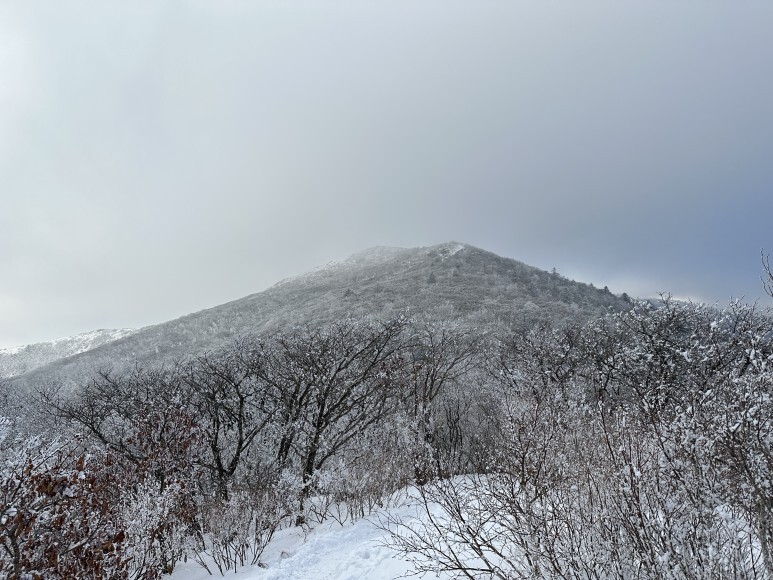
(232, 409)
(330, 385)
(438, 355)
(767, 277)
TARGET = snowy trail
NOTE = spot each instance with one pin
(340, 553)
(329, 552)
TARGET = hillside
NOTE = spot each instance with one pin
(23, 359)
(450, 281)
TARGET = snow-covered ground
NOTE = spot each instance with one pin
(328, 552)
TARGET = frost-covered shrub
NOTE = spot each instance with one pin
(639, 446)
(55, 516)
(159, 527)
(597, 500)
(158, 475)
(348, 492)
(143, 422)
(235, 531)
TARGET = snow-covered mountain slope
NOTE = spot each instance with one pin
(22, 359)
(447, 281)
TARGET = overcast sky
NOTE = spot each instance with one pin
(157, 158)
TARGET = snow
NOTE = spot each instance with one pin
(21, 359)
(446, 250)
(77, 342)
(330, 551)
(455, 248)
(95, 336)
(5, 423)
(12, 350)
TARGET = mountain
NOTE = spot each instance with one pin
(23, 359)
(448, 281)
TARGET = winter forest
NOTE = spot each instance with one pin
(634, 445)
(243, 335)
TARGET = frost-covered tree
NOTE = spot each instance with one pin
(232, 409)
(329, 385)
(436, 357)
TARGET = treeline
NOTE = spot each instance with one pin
(637, 446)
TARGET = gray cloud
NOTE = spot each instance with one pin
(161, 157)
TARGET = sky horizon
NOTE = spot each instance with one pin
(164, 157)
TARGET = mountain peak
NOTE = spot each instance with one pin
(377, 254)
(383, 253)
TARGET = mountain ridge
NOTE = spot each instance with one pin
(18, 360)
(446, 281)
